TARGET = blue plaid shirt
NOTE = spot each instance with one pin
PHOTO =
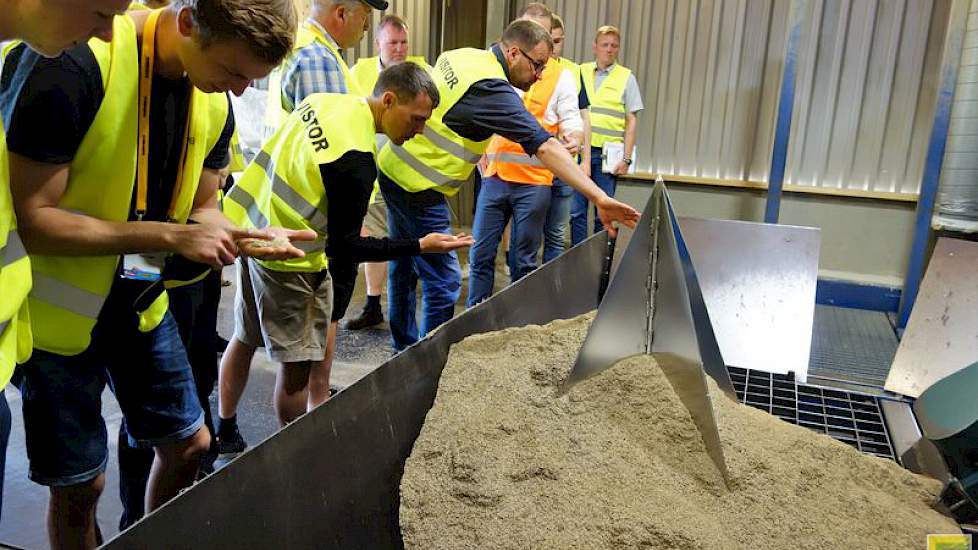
(311, 70)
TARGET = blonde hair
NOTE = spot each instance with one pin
(556, 22)
(607, 29)
(391, 20)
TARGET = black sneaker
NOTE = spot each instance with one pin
(231, 443)
(367, 318)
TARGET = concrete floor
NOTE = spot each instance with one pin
(25, 503)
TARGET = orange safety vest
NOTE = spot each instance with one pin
(507, 159)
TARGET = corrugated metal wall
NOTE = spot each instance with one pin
(710, 71)
(867, 84)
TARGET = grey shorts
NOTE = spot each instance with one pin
(376, 220)
(287, 312)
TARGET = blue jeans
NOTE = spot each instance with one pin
(578, 217)
(67, 442)
(498, 202)
(554, 228)
(412, 216)
(194, 308)
(4, 437)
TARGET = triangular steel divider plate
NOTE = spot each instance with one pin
(689, 297)
(679, 329)
(619, 329)
(683, 342)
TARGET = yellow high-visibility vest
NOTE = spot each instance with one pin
(238, 162)
(15, 280)
(366, 71)
(309, 33)
(607, 104)
(283, 186)
(69, 291)
(441, 159)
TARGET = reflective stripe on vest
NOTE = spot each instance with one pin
(13, 250)
(283, 187)
(308, 34)
(607, 104)
(513, 158)
(71, 298)
(441, 159)
(366, 71)
(295, 201)
(507, 159)
(70, 290)
(15, 281)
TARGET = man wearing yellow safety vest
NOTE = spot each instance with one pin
(104, 202)
(615, 103)
(561, 195)
(515, 185)
(391, 44)
(317, 173)
(315, 65)
(48, 27)
(194, 307)
(477, 101)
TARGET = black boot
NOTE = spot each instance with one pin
(370, 316)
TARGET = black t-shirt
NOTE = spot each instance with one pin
(349, 180)
(50, 104)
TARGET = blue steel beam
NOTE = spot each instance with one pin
(786, 103)
(930, 182)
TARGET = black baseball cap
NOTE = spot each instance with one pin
(377, 4)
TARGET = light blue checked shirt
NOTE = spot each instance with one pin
(311, 70)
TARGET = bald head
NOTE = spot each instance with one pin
(539, 14)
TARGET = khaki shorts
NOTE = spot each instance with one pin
(287, 312)
(376, 220)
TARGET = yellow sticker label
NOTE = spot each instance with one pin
(949, 542)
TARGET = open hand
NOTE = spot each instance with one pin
(271, 243)
(441, 243)
(610, 210)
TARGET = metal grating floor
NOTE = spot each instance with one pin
(852, 418)
(852, 344)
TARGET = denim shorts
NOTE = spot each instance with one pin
(62, 399)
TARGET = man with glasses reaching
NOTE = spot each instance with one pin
(516, 186)
(478, 101)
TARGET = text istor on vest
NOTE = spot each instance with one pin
(448, 73)
(313, 130)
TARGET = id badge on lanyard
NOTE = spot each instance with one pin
(148, 266)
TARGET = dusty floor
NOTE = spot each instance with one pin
(502, 463)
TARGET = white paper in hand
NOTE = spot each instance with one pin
(611, 155)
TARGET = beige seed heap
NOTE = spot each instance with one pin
(618, 463)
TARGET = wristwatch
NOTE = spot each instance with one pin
(627, 161)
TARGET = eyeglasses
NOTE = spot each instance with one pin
(538, 66)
